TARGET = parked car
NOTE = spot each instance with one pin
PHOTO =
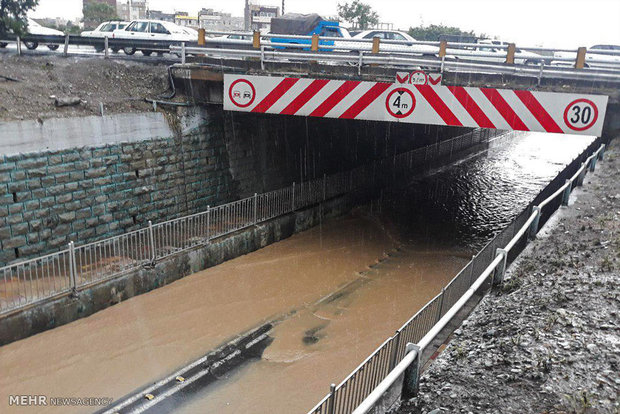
(495, 54)
(154, 30)
(409, 47)
(105, 29)
(602, 60)
(35, 28)
(306, 25)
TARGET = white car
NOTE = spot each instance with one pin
(35, 28)
(600, 60)
(409, 47)
(486, 50)
(154, 30)
(104, 30)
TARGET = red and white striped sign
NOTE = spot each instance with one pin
(423, 104)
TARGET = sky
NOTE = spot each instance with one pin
(551, 23)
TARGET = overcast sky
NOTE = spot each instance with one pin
(556, 23)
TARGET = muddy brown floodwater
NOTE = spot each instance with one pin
(146, 337)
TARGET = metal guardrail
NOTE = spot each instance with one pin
(29, 282)
(403, 353)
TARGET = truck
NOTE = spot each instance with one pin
(306, 25)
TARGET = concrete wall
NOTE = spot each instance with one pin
(96, 177)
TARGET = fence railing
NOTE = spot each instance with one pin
(31, 281)
(405, 351)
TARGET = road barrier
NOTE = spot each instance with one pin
(32, 281)
(401, 356)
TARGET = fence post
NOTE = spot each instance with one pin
(293, 200)
(256, 39)
(66, 49)
(332, 399)
(314, 46)
(471, 273)
(183, 53)
(535, 223)
(394, 350)
(106, 46)
(19, 46)
(443, 293)
(601, 153)
(208, 222)
(72, 267)
(510, 54)
(411, 382)
(375, 44)
(582, 175)
(255, 207)
(324, 186)
(498, 277)
(201, 37)
(593, 164)
(566, 193)
(152, 241)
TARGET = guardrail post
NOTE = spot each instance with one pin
(534, 226)
(332, 399)
(411, 382)
(360, 62)
(582, 175)
(183, 53)
(255, 207)
(566, 193)
(201, 37)
(510, 54)
(376, 43)
(314, 47)
(498, 276)
(540, 72)
(394, 350)
(293, 198)
(471, 272)
(262, 57)
(152, 241)
(256, 39)
(66, 49)
(580, 60)
(106, 48)
(72, 267)
(443, 45)
(19, 46)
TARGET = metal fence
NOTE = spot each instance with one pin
(31, 281)
(485, 269)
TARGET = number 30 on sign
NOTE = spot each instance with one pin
(580, 114)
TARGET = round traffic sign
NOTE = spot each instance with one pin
(242, 93)
(419, 77)
(400, 103)
(580, 114)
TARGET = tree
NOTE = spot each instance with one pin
(433, 32)
(13, 17)
(359, 14)
(95, 13)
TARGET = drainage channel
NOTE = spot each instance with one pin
(198, 374)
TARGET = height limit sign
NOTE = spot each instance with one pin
(400, 103)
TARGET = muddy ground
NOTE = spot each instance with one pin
(28, 85)
(548, 341)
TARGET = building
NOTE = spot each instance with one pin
(159, 15)
(132, 9)
(209, 19)
(185, 20)
(258, 17)
(89, 22)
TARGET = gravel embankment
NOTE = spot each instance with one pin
(548, 341)
(28, 85)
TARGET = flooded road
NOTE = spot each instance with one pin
(384, 267)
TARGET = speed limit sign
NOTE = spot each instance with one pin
(580, 114)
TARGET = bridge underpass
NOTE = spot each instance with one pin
(145, 338)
